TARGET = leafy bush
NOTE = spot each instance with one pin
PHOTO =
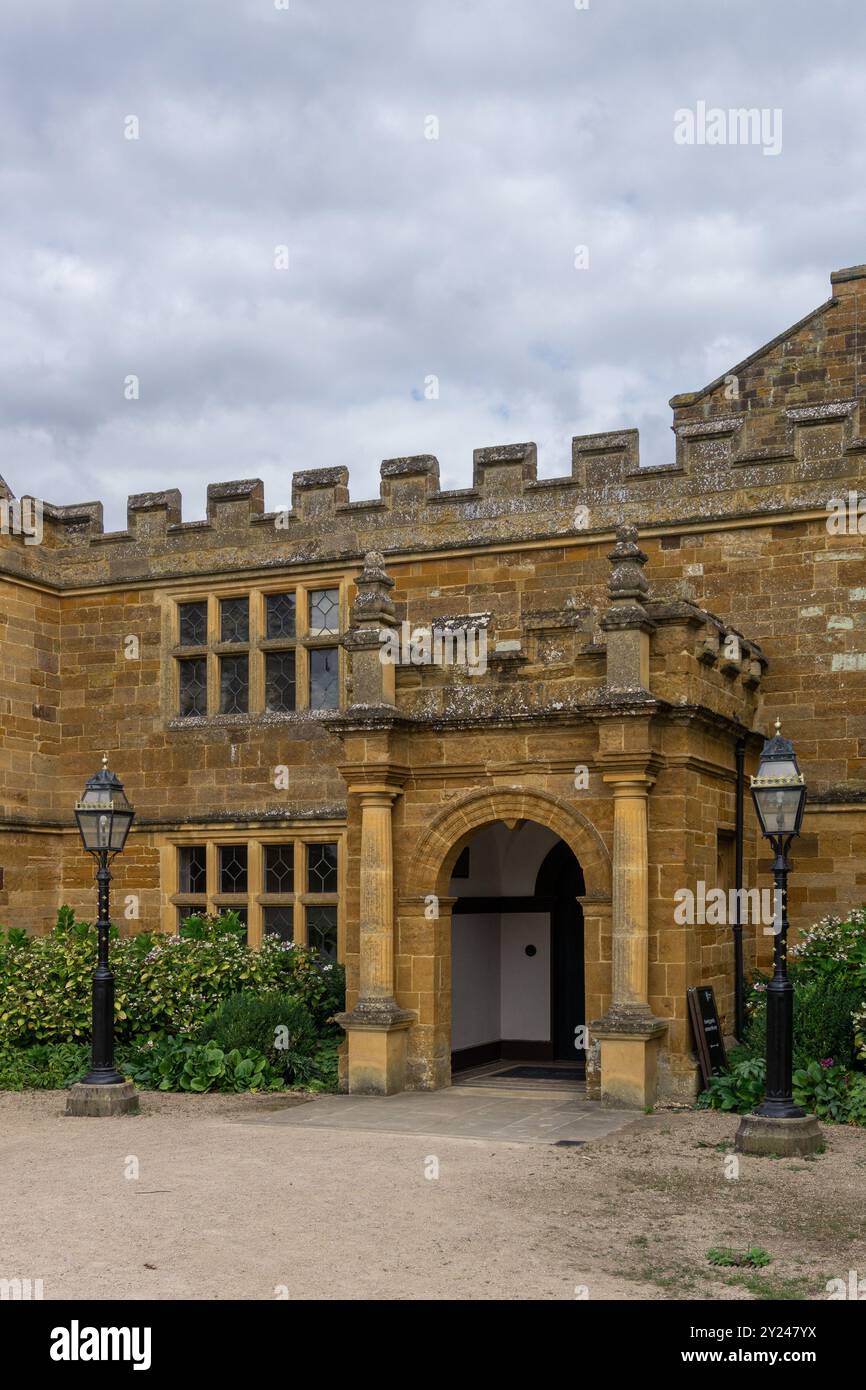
(832, 1093)
(47, 1066)
(833, 947)
(277, 1025)
(740, 1088)
(824, 1008)
(163, 984)
(176, 1064)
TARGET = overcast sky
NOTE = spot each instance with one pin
(409, 257)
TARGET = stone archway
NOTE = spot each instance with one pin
(424, 914)
(443, 840)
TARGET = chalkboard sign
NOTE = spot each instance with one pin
(707, 1031)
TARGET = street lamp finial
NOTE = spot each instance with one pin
(105, 760)
(777, 726)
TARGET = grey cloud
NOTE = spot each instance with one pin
(408, 257)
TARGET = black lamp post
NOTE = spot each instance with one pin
(779, 794)
(104, 816)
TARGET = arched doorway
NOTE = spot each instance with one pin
(517, 952)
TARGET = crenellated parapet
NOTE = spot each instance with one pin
(782, 432)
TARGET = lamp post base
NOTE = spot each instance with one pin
(763, 1135)
(119, 1098)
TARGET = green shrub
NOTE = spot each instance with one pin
(277, 1025)
(740, 1088)
(177, 1064)
(824, 1026)
(833, 947)
(46, 1066)
(301, 971)
(832, 1093)
(163, 984)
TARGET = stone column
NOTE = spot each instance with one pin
(376, 918)
(629, 1032)
(376, 1026)
(630, 900)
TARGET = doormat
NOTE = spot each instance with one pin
(544, 1073)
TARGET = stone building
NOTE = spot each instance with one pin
(494, 849)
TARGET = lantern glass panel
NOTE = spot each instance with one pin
(778, 808)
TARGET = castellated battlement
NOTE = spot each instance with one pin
(714, 476)
(781, 432)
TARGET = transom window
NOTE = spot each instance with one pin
(192, 869)
(324, 612)
(193, 624)
(322, 868)
(234, 620)
(262, 652)
(283, 887)
(280, 615)
(233, 868)
(279, 868)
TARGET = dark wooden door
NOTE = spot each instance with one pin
(566, 925)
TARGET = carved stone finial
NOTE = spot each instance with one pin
(626, 623)
(373, 605)
(627, 560)
(373, 681)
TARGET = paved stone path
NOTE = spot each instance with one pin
(525, 1117)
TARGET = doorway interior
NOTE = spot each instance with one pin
(517, 961)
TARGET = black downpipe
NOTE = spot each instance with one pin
(739, 980)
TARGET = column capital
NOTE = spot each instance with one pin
(367, 780)
(629, 783)
(630, 771)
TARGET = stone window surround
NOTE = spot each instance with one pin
(255, 899)
(257, 647)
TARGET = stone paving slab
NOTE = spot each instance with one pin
(461, 1114)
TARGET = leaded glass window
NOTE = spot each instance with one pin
(234, 685)
(280, 682)
(322, 868)
(193, 686)
(279, 868)
(233, 869)
(234, 620)
(193, 624)
(324, 677)
(279, 921)
(280, 613)
(324, 612)
(192, 869)
(322, 930)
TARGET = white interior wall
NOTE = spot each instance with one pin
(524, 980)
(475, 976)
(497, 990)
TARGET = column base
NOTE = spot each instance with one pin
(763, 1135)
(114, 1099)
(629, 1057)
(376, 1033)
